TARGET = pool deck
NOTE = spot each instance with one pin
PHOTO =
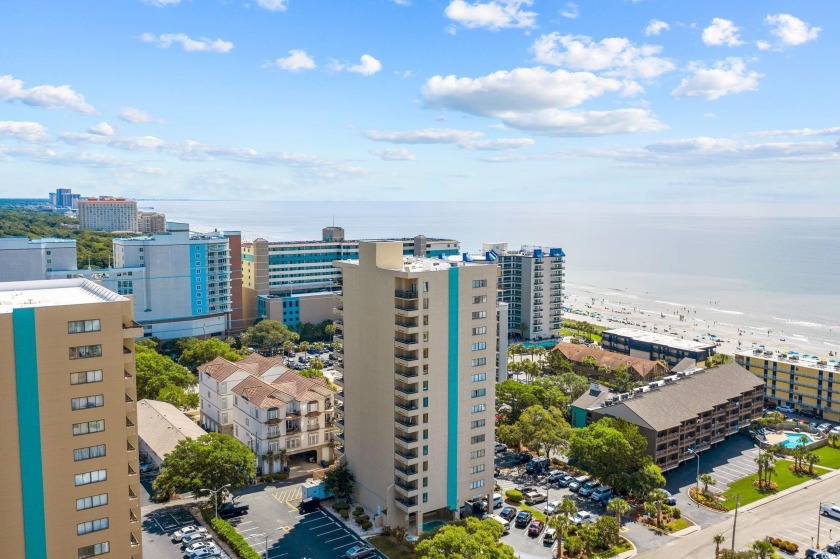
(782, 437)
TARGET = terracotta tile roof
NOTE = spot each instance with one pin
(254, 364)
(260, 393)
(290, 386)
(642, 367)
(301, 388)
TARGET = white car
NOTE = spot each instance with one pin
(582, 517)
(501, 447)
(194, 538)
(785, 409)
(205, 552)
(551, 507)
(187, 531)
(193, 547)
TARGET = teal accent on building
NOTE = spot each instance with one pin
(29, 433)
(578, 417)
(198, 279)
(452, 376)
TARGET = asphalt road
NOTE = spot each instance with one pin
(792, 515)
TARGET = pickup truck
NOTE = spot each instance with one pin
(231, 510)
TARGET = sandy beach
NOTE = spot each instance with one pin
(703, 324)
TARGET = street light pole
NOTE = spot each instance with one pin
(266, 540)
(735, 522)
(215, 497)
(819, 521)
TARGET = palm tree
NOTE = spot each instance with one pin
(718, 539)
(812, 459)
(618, 507)
(270, 456)
(763, 549)
(658, 498)
(707, 480)
(833, 439)
(289, 346)
(282, 456)
(563, 519)
(303, 346)
(559, 522)
(329, 330)
(650, 509)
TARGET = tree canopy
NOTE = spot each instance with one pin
(615, 452)
(340, 481)
(160, 378)
(547, 391)
(196, 352)
(472, 539)
(270, 334)
(211, 461)
(538, 429)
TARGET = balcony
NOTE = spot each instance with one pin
(339, 380)
(273, 434)
(408, 359)
(406, 372)
(404, 486)
(407, 504)
(406, 471)
(408, 389)
(406, 324)
(406, 455)
(406, 342)
(406, 295)
(338, 309)
(406, 421)
(406, 405)
(338, 365)
(132, 330)
(272, 420)
(405, 438)
(407, 306)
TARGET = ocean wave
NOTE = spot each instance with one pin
(681, 305)
(722, 311)
(801, 323)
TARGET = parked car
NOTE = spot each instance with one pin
(565, 480)
(501, 447)
(813, 553)
(824, 427)
(522, 519)
(555, 476)
(195, 537)
(535, 528)
(205, 552)
(192, 548)
(587, 488)
(808, 413)
(672, 500)
(830, 510)
(576, 483)
(582, 517)
(549, 536)
(551, 507)
(534, 497)
(508, 513)
(230, 510)
(833, 548)
(187, 531)
(785, 409)
(359, 551)
(601, 494)
(538, 465)
(309, 504)
(522, 458)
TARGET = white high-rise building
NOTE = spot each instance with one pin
(25, 260)
(107, 213)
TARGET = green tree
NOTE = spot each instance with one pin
(517, 395)
(476, 539)
(811, 459)
(211, 461)
(538, 429)
(707, 480)
(763, 549)
(340, 481)
(606, 532)
(833, 439)
(646, 479)
(718, 539)
(573, 385)
(658, 498)
(316, 363)
(618, 507)
(556, 364)
(178, 397)
(270, 334)
(197, 352)
(156, 372)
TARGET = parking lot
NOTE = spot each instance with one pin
(804, 531)
(158, 526)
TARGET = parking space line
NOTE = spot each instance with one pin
(339, 538)
(330, 531)
(249, 529)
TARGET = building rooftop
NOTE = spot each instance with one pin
(793, 357)
(347, 241)
(162, 426)
(53, 293)
(254, 364)
(288, 387)
(661, 339)
(666, 403)
(576, 353)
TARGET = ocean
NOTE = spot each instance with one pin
(778, 274)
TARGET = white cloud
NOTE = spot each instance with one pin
(130, 114)
(571, 10)
(31, 132)
(763, 45)
(394, 154)
(791, 30)
(726, 77)
(402, 2)
(521, 89)
(367, 66)
(423, 136)
(501, 144)
(162, 3)
(722, 32)
(297, 60)
(189, 44)
(103, 129)
(493, 15)
(833, 131)
(273, 5)
(44, 96)
(655, 27)
(616, 55)
(554, 122)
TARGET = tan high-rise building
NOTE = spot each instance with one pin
(70, 473)
(418, 367)
(107, 213)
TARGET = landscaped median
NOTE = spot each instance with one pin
(746, 491)
(228, 534)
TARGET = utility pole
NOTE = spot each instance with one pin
(735, 522)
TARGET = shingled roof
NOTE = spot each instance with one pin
(288, 387)
(641, 367)
(254, 364)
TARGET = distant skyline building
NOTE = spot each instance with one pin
(108, 213)
(63, 198)
(70, 467)
(26, 260)
(151, 222)
(292, 281)
(418, 381)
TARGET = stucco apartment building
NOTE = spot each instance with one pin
(27, 260)
(804, 382)
(694, 409)
(418, 340)
(268, 407)
(655, 346)
(107, 213)
(70, 471)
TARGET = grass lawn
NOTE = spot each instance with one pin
(622, 546)
(829, 457)
(744, 489)
(390, 548)
(677, 525)
(538, 514)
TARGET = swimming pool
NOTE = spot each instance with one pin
(545, 343)
(431, 526)
(792, 439)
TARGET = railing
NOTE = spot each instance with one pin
(410, 406)
(406, 306)
(407, 323)
(406, 470)
(405, 485)
(405, 437)
(407, 502)
(410, 295)
(407, 421)
(406, 389)
(407, 341)
(406, 373)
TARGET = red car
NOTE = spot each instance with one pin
(536, 528)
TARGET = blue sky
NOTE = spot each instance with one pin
(647, 101)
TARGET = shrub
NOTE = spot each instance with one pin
(386, 530)
(340, 506)
(234, 539)
(676, 513)
(358, 510)
(513, 495)
(574, 545)
(345, 514)
(360, 519)
(367, 525)
(280, 476)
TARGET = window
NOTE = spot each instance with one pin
(479, 377)
(425, 482)
(88, 452)
(480, 362)
(478, 393)
(88, 427)
(425, 434)
(477, 423)
(478, 346)
(479, 283)
(477, 453)
(293, 443)
(425, 320)
(94, 550)
(86, 351)
(425, 287)
(313, 439)
(425, 303)
(477, 469)
(86, 402)
(479, 299)
(91, 477)
(86, 377)
(478, 408)
(425, 497)
(476, 484)
(479, 314)
(425, 401)
(77, 326)
(426, 336)
(479, 330)
(92, 526)
(475, 439)
(425, 450)
(91, 502)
